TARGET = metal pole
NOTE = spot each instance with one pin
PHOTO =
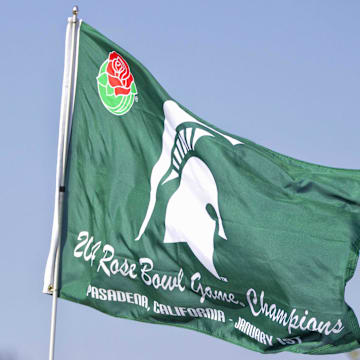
(55, 290)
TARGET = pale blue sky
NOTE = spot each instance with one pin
(287, 77)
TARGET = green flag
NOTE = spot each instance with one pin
(170, 220)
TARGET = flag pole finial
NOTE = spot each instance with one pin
(75, 11)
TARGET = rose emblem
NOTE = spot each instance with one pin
(116, 84)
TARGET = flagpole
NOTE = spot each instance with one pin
(54, 289)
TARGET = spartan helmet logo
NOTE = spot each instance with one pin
(192, 212)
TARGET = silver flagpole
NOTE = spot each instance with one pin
(54, 289)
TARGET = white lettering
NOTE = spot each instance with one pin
(290, 321)
(210, 293)
(107, 249)
(166, 282)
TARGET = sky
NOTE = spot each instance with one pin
(282, 73)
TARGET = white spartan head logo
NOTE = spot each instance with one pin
(187, 216)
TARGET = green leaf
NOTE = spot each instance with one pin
(109, 90)
(103, 79)
(109, 101)
(133, 88)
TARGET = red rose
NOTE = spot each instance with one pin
(119, 75)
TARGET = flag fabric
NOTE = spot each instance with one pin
(169, 220)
